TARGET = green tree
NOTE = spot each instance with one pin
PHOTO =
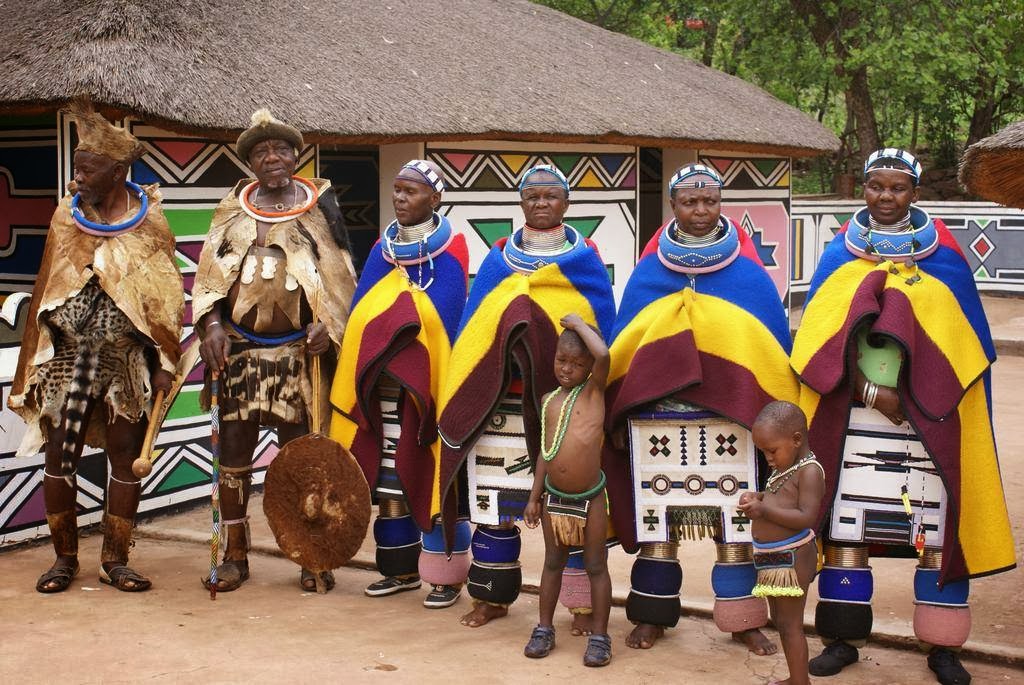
(935, 73)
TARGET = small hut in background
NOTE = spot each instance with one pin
(993, 168)
(485, 88)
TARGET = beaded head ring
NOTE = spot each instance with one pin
(265, 127)
(422, 172)
(695, 176)
(894, 159)
(544, 175)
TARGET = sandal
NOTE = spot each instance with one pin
(124, 579)
(230, 575)
(308, 581)
(60, 574)
(542, 641)
(599, 651)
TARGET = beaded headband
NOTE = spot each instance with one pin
(695, 176)
(894, 159)
(561, 181)
(430, 177)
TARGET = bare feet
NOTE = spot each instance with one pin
(756, 642)
(482, 614)
(582, 624)
(644, 636)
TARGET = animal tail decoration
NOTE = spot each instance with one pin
(78, 397)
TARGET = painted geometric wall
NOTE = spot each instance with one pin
(353, 173)
(482, 197)
(194, 174)
(756, 196)
(990, 236)
(28, 196)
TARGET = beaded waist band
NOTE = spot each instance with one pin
(268, 340)
(792, 542)
(601, 481)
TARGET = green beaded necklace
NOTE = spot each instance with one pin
(564, 414)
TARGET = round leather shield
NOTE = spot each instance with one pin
(317, 502)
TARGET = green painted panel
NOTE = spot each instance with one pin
(186, 404)
(189, 221)
(184, 475)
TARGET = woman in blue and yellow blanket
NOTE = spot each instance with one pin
(894, 356)
(405, 312)
(506, 342)
(701, 332)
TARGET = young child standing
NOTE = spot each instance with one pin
(784, 551)
(567, 497)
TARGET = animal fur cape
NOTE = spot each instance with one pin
(136, 269)
(322, 268)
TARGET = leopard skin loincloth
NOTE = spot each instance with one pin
(89, 324)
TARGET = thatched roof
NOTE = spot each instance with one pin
(384, 71)
(993, 168)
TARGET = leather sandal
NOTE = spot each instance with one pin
(124, 579)
(60, 574)
(307, 580)
(231, 573)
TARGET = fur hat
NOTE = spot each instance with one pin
(266, 127)
(99, 136)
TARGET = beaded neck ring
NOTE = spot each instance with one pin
(276, 217)
(545, 241)
(777, 479)
(888, 232)
(435, 235)
(111, 230)
(564, 415)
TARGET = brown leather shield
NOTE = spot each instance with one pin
(317, 502)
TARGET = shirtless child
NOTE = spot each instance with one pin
(572, 430)
(784, 551)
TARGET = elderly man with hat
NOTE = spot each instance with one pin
(103, 334)
(894, 356)
(700, 345)
(501, 361)
(272, 289)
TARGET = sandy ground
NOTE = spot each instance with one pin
(271, 631)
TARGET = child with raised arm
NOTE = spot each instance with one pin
(568, 485)
(785, 555)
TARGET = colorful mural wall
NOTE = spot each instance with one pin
(28, 196)
(991, 237)
(756, 196)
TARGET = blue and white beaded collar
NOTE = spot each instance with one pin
(521, 261)
(915, 243)
(410, 254)
(697, 259)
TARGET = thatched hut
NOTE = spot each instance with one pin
(483, 87)
(993, 168)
